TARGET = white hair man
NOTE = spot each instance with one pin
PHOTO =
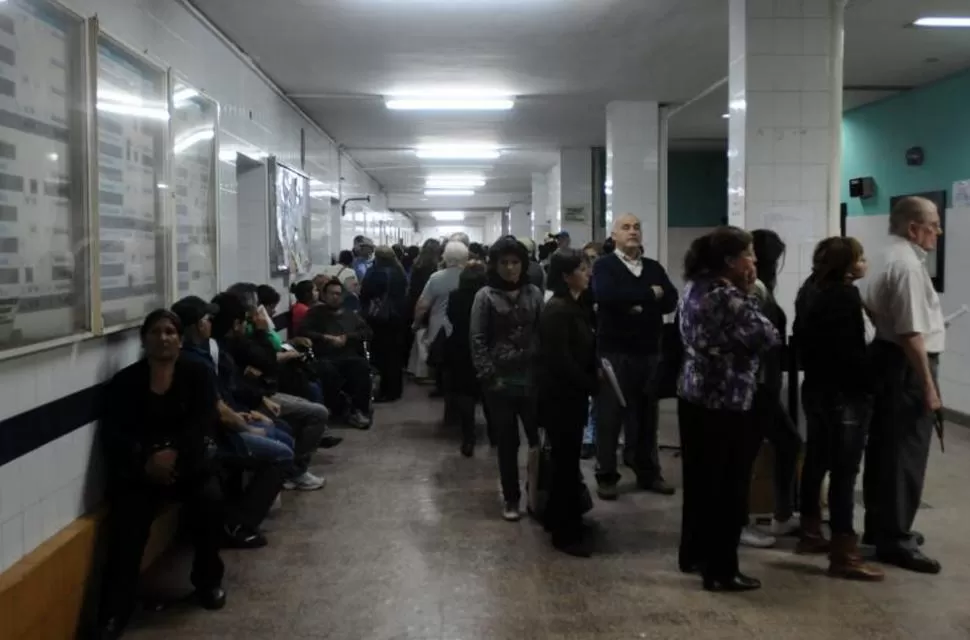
(632, 294)
(461, 237)
(910, 335)
(434, 299)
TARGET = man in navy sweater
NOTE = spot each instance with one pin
(632, 294)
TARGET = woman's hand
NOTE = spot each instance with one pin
(301, 342)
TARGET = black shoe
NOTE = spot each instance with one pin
(468, 449)
(915, 536)
(659, 486)
(607, 491)
(241, 537)
(588, 451)
(911, 560)
(578, 548)
(211, 599)
(739, 582)
(330, 441)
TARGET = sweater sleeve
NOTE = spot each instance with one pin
(606, 294)
(478, 336)
(668, 302)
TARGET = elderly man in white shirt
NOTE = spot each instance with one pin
(910, 335)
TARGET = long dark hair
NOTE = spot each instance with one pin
(429, 255)
(834, 259)
(562, 263)
(384, 257)
(507, 247)
(769, 249)
(708, 254)
(472, 278)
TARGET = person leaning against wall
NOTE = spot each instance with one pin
(910, 336)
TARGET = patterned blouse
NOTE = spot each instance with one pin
(724, 334)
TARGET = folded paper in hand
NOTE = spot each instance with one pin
(611, 378)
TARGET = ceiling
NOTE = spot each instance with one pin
(563, 59)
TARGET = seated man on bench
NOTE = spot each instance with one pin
(157, 415)
(338, 341)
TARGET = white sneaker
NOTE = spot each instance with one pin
(752, 537)
(787, 527)
(511, 512)
(305, 482)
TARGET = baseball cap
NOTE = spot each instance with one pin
(562, 234)
(191, 310)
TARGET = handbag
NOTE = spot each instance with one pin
(540, 479)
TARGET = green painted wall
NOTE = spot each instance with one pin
(696, 188)
(875, 138)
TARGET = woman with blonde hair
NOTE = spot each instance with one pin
(832, 334)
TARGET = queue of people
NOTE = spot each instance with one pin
(223, 413)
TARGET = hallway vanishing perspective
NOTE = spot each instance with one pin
(406, 543)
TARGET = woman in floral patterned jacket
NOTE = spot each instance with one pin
(724, 334)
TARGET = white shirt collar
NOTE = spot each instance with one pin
(920, 252)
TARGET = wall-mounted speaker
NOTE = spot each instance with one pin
(862, 187)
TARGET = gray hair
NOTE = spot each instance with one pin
(460, 237)
(905, 212)
(455, 254)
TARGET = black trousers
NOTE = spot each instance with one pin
(564, 420)
(133, 508)
(464, 409)
(715, 445)
(345, 374)
(248, 503)
(898, 448)
(837, 428)
(637, 376)
(507, 408)
(772, 423)
(387, 356)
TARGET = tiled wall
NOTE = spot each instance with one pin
(46, 489)
(633, 167)
(576, 186)
(540, 205)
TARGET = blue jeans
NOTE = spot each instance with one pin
(275, 446)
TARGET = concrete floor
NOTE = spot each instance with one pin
(406, 543)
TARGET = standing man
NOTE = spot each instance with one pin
(632, 294)
(364, 258)
(910, 335)
(563, 240)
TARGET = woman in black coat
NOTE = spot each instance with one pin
(462, 381)
(567, 376)
(383, 299)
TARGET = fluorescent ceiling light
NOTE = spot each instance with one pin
(326, 195)
(450, 104)
(458, 152)
(943, 21)
(725, 115)
(433, 183)
(449, 192)
(449, 230)
(193, 138)
(448, 215)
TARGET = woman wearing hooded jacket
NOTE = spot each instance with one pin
(504, 328)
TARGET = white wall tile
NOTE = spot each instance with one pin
(787, 35)
(11, 541)
(11, 496)
(816, 109)
(788, 108)
(816, 36)
(33, 527)
(788, 145)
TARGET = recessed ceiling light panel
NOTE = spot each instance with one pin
(944, 21)
(449, 192)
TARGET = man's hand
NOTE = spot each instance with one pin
(285, 356)
(260, 319)
(337, 341)
(301, 342)
(256, 431)
(658, 291)
(252, 372)
(160, 467)
(273, 407)
(932, 399)
(262, 418)
(636, 310)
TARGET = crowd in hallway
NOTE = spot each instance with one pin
(573, 348)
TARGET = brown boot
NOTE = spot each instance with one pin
(812, 540)
(845, 561)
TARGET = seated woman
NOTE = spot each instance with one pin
(306, 295)
(157, 414)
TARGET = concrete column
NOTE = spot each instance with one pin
(633, 166)
(520, 220)
(554, 203)
(785, 92)
(540, 204)
(576, 195)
